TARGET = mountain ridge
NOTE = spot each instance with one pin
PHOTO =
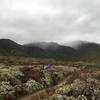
(87, 51)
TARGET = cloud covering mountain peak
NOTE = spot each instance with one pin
(50, 20)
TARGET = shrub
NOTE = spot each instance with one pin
(56, 97)
(32, 86)
(10, 74)
(47, 78)
(56, 77)
(6, 90)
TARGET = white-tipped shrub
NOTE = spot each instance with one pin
(6, 89)
(32, 86)
(10, 74)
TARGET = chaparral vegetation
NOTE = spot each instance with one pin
(31, 79)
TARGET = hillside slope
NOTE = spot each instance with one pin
(86, 51)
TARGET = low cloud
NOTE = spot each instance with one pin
(50, 20)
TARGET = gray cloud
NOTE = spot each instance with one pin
(50, 20)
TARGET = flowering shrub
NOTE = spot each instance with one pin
(47, 78)
(11, 74)
(9, 78)
(78, 90)
(57, 97)
(6, 89)
(32, 86)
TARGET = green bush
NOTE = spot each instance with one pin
(12, 74)
(6, 90)
(32, 86)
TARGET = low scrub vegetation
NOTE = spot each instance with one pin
(68, 81)
(18, 81)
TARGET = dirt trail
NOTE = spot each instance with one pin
(40, 95)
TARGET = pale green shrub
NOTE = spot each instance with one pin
(6, 89)
(81, 97)
(56, 97)
(47, 78)
(32, 86)
(10, 74)
(71, 98)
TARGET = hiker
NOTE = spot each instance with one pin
(50, 66)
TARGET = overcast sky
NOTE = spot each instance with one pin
(50, 20)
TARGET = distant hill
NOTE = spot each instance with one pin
(85, 51)
(37, 50)
(43, 45)
(88, 51)
(11, 48)
(55, 50)
(63, 53)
